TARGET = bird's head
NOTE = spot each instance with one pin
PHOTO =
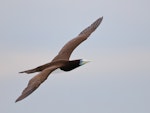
(74, 64)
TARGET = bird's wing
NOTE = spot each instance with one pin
(68, 48)
(36, 81)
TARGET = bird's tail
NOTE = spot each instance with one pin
(37, 69)
(30, 71)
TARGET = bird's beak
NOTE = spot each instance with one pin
(83, 61)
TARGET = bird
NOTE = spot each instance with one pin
(60, 61)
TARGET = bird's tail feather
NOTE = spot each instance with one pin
(30, 71)
(37, 69)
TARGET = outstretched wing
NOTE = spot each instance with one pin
(36, 81)
(66, 51)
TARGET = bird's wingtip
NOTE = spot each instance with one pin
(17, 100)
(101, 18)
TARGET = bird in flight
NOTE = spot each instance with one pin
(61, 61)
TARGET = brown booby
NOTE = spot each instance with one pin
(61, 61)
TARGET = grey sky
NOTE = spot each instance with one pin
(117, 79)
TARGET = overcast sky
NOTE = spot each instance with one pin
(116, 81)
